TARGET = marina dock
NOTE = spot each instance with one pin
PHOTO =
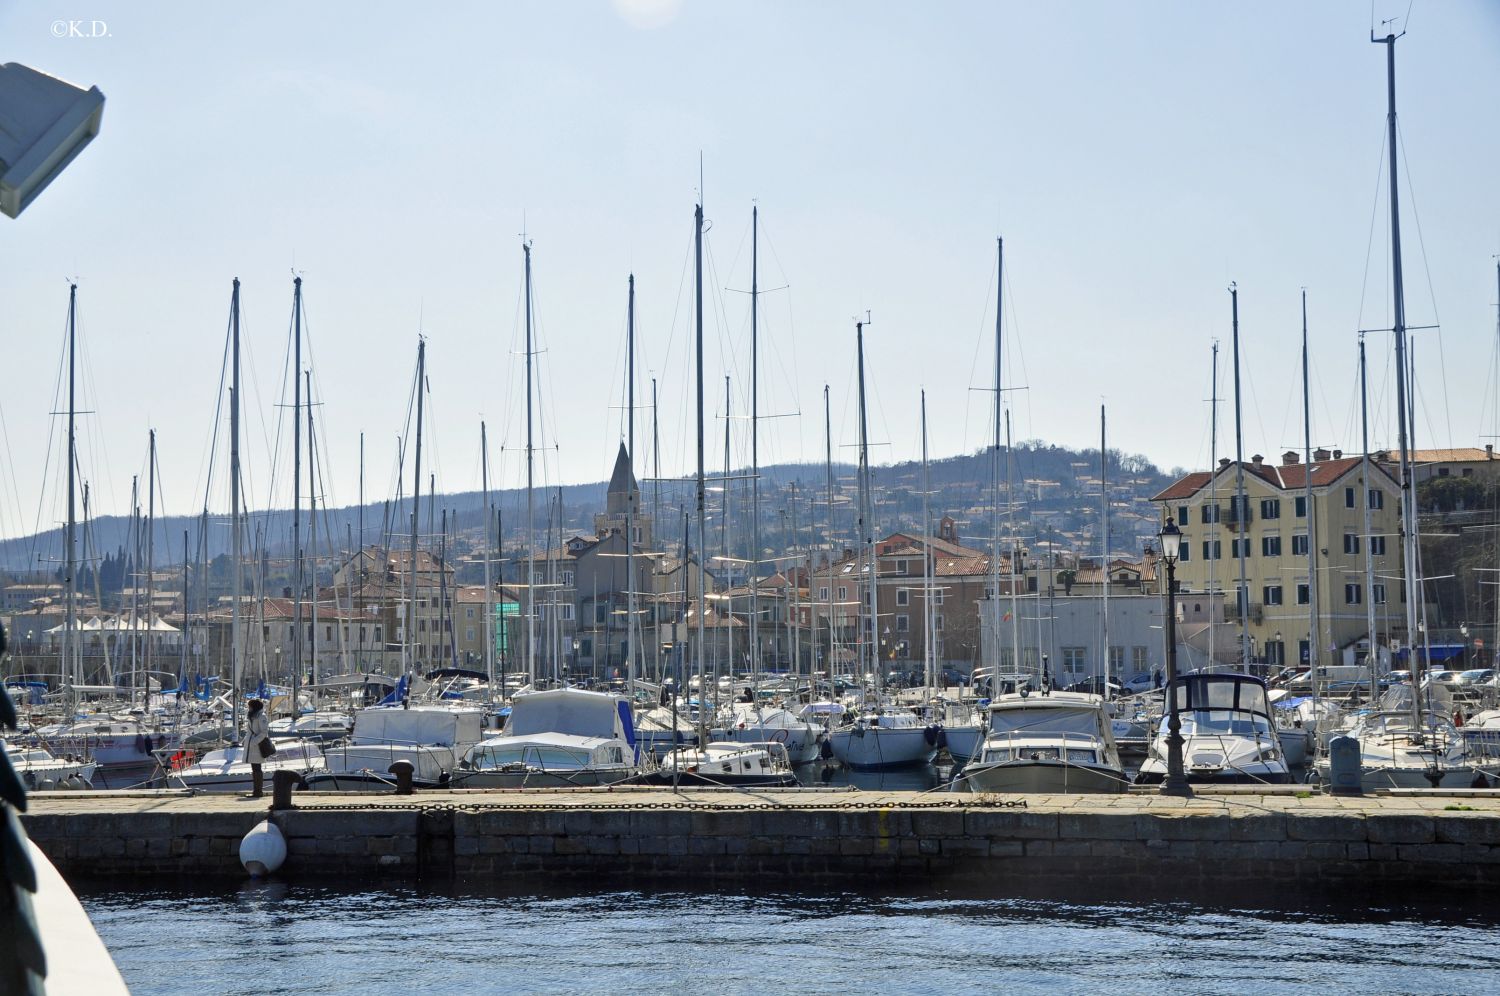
(1450, 839)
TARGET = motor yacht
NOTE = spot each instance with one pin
(1058, 742)
(1228, 734)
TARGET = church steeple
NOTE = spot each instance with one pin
(622, 485)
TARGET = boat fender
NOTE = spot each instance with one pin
(825, 750)
(263, 849)
(931, 735)
(140, 744)
(1481, 781)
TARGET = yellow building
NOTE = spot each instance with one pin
(1274, 529)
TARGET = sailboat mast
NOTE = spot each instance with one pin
(150, 568)
(1104, 541)
(632, 493)
(929, 678)
(312, 544)
(655, 519)
(409, 644)
(296, 484)
(236, 582)
(701, 487)
(1314, 639)
(530, 498)
(1364, 429)
(1414, 591)
(828, 465)
(73, 665)
(1213, 476)
(866, 526)
(1242, 594)
(489, 543)
(995, 452)
(754, 440)
(1010, 519)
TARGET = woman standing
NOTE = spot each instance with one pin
(257, 729)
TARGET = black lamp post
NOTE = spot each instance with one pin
(1176, 782)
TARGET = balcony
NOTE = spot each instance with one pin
(1238, 519)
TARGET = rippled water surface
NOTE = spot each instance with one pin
(300, 938)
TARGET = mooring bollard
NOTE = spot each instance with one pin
(282, 783)
(403, 771)
(1344, 775)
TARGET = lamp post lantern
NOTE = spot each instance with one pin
(1176, 782)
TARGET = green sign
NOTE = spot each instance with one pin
(502, 629)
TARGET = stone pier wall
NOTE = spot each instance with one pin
(1204, 841)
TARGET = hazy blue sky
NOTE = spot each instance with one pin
(1136, 157)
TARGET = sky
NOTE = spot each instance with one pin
(1136, 159)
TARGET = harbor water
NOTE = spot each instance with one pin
(405, 938)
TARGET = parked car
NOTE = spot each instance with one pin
(1141, 681)
(952, 677)
(1476, 676)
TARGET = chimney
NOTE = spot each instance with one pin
(286, 592)
(1290, 458)
(1223, 462)
(1321, 455)
(1257, 459)
(1338, 454)
(1489, 451)
(848, 553)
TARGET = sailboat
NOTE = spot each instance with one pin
(878, 736)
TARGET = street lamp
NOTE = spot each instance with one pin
(1175, 783)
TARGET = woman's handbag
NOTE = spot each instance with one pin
(267, 749)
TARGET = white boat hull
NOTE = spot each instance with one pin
(964, 741)
(871, 748)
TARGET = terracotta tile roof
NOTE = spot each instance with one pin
(1464, 454)
(1286, 477)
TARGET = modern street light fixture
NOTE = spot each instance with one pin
(1176, 782)
(44, 123)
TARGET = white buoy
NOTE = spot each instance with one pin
(263, 850)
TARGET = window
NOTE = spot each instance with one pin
(565, 612)
(1353, 594)
(1075, 658)
(1468, 471)
(903, 596)
(937, 596)
(1182, 515)
(1271, 594)
(843, 593)
(1239, 546)
(1210, 514)
(1270, 508)
(1442, 471)
(937, 621)
(1351, 542)
(1270, 546)
(900, 567)
(377, 634)
(1301, 506)
(1377, 546)
(1377, 498)
(1116, 660)
(421, 625)
(567, 579)
(1140, 658)
(1304, 594)
(538, 577)
(1349, 498)
(1299, 544)
(903, 623)
(823, 593)
(469, 634)
(1211, 550)
(1377, 593)
(1275, 653)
